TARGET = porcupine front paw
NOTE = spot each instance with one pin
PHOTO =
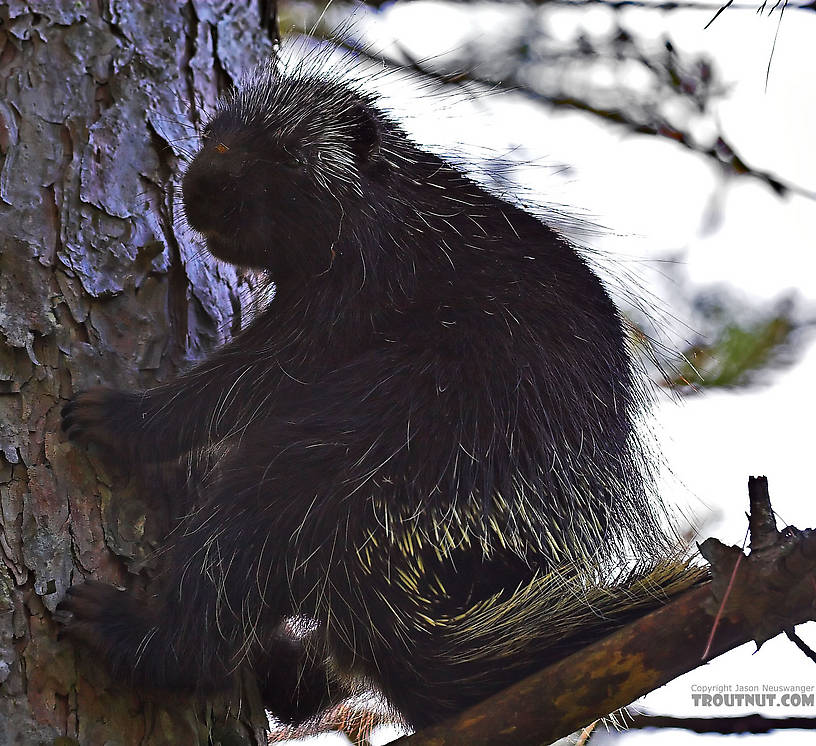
(99, 415)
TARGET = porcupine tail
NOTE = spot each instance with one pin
(499, 640)
(559, 612)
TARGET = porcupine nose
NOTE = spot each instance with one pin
(208, 188)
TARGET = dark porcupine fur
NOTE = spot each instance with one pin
(430, 433)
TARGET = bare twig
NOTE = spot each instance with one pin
(753, 724)
(721, 152)
(668, 5)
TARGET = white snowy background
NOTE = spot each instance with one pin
(655, 200)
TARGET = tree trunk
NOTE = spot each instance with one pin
(99, 283)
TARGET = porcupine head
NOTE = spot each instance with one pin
(280, 169)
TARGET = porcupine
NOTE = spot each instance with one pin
(431, 432)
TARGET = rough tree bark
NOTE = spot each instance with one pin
(99, 283)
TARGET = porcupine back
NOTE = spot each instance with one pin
(497, 511)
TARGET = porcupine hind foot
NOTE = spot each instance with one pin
(134, 641)
(120, 629)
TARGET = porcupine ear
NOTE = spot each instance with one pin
(366, 133)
